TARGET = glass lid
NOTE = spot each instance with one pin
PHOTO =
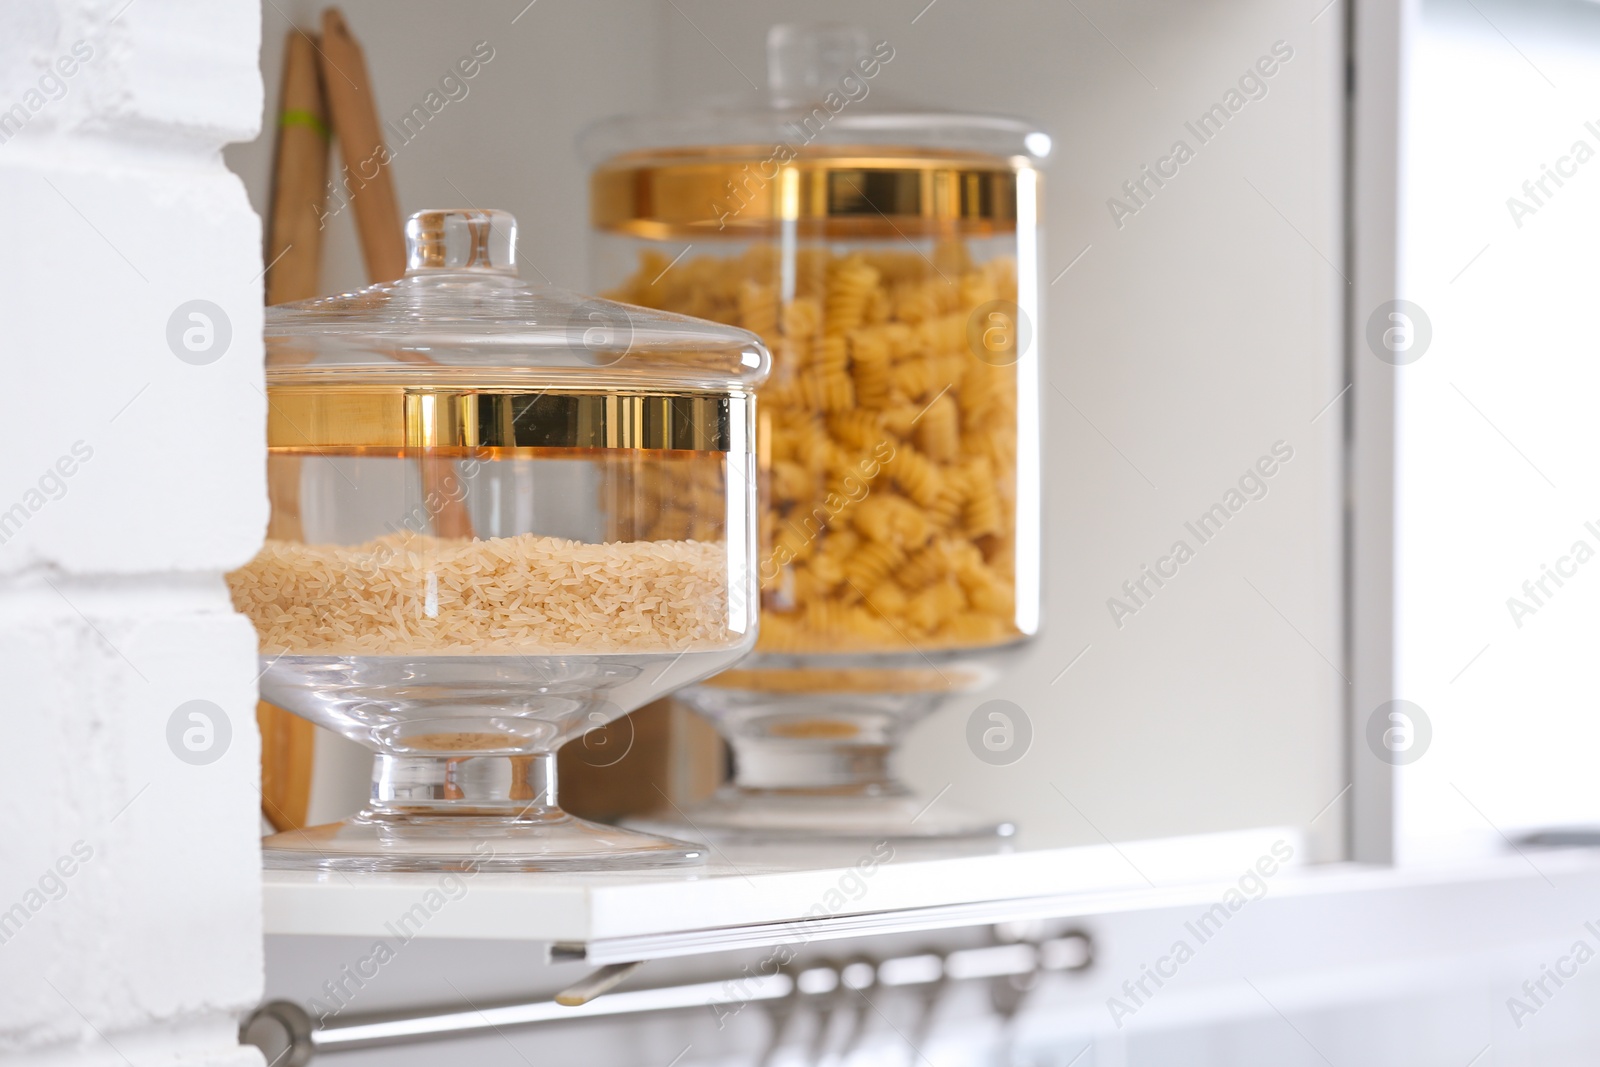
(821, 94)
(823, 148)
(462, 318)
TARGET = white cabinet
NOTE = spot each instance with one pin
(1183, 343)
(1236, 190)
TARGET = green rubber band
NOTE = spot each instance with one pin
(298, 117)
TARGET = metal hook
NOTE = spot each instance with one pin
(857, 976)
(824, 1003)
(593, 985)
(780, 1013)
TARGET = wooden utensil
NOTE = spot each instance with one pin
(363, 150)
(300, 176)
(377, 212)
(294, 257)
(660, 755)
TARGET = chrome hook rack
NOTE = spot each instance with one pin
(289, 1036)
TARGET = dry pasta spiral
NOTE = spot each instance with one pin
(890, 485)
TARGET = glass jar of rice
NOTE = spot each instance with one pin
(888, 256)
(469, 560)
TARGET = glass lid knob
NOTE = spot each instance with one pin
(461, 239)
(804, 61)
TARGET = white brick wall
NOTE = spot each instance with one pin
(130, 927)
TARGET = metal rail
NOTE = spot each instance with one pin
(290, 1037)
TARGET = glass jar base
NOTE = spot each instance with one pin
(747, 816)
(549, 841)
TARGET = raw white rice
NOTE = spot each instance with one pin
(407, 594)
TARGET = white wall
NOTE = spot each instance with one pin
(132, 477)
(1496, 428)
(1181, 347)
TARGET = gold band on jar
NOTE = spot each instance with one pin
(750, 191)
(319, 419)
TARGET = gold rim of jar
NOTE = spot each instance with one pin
(368, 420)
(744, 191)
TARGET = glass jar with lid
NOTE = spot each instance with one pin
(889, 258)
(465, 566)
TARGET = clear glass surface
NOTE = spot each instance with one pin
(461, 314)
(478, 549)
(888, 256)
(822, 88)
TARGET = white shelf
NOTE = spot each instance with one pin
(743, 901)
(760, 898)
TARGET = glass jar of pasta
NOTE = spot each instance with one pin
(889, 259)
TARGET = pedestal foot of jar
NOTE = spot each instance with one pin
(551, 840)
(742, 816)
